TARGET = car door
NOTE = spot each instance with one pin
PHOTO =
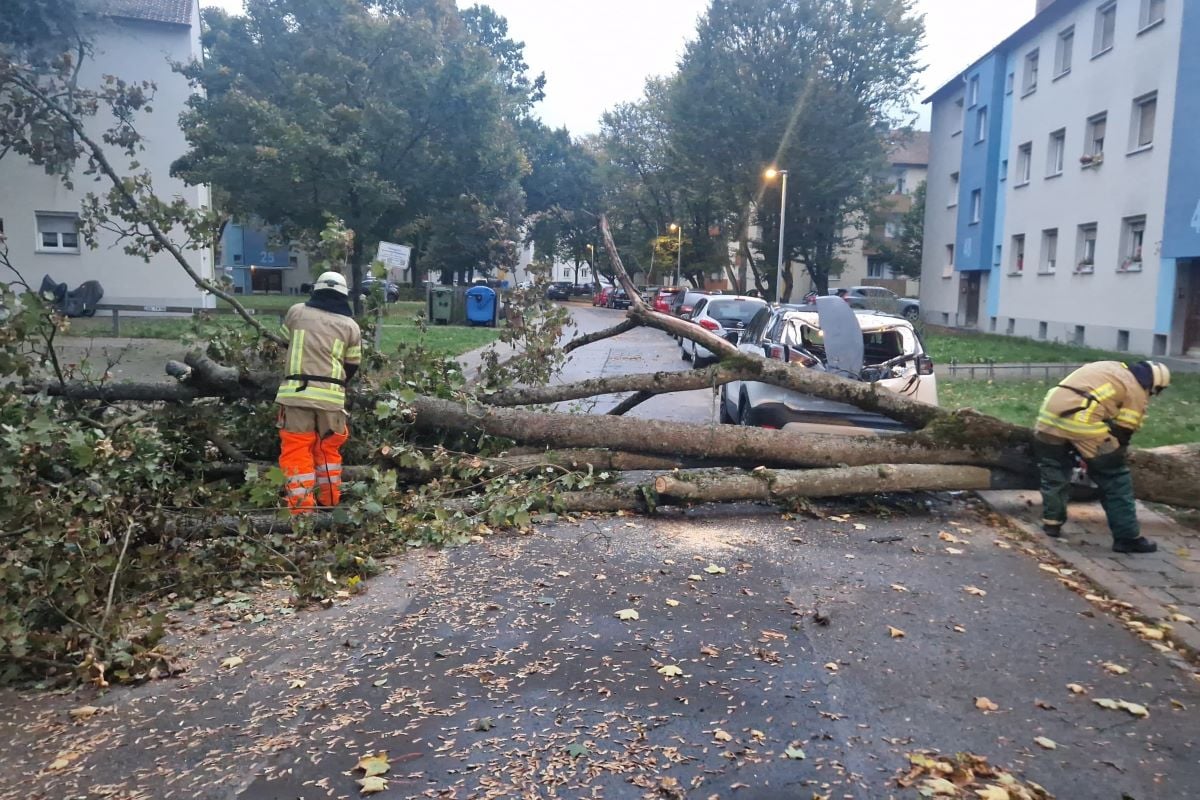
(771, 333)
(749, 343)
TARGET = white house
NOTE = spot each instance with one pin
(1062, 195)
(136, 40)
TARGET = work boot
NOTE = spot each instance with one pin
(1053, 531)
(1138, 545)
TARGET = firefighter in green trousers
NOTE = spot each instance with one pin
(1094, 413)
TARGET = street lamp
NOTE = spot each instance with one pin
(678, 250)
(770, 175)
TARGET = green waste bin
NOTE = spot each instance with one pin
(441, 304)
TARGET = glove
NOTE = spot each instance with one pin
(1122, 435)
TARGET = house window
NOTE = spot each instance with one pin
(961, 114)
(1145, 110)
(1085, 248)
(901, 183)
(891, 230)
(1153, 12)
(1012, 326)
(1106, 28)
(1066, 48)
(1024, 163)
(1133, 235)
(1009, 81)
(1123, 341)
(1018, 255)
(1097, 127)
(976, 206)
(981, 121)
(953, 190)
(876, 268)
(1057, 154)
(973, 94)
(57, 233)
(1049, 251)
(950, 255)
(1004, 170)
(999, 256)
(1029, 82)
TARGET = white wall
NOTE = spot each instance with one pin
(134, 51)
(1124, 185)
(939, 285)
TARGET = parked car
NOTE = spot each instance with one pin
(600, 298)
(391, 291)
(878, 298)
(726, 316)
(861, 345)
(685, 300)
(662, 299)
(618, 299)
(581, 290)
(559, 290)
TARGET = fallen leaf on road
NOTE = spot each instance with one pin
(795, 752)
(372, 765)
(1076, 688)
(1154, 634)
(949, 537)
(672, 603)
(485, 724)
(83, 712)
(62, 762)
(372, 784)
(1115, 669)
(297, 683)
(1182, 618)
(959, 629)
(899, 587)
(975, 590)
(709, 650)
(670, 671)
(1043, 705)
(722, 736)
(1049, 744)
(954, 551)
(695, 577)
(576, 750)
(858, 526)
(1134, 708)
(831, 666)
(713, 569)
(1048, 568)
(993, 793)
(1105, 702)
(231, 662)
(627, 614)
(984, 704)
(895, 633)
(938, 787)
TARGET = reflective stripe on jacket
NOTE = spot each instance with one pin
(320, 345)
(1091, 397)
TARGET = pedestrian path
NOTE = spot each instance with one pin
(1163, 586)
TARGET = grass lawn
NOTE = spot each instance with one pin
(1174, 418)
(979, 348)
(400, 326)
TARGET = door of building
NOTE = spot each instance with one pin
(1191, 328)
(971, 290)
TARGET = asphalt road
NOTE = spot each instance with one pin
(499, 669)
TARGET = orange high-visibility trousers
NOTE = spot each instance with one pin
(296, 460)
(327, 457)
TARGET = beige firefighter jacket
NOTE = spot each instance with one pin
(320, 345)
(1081, 408)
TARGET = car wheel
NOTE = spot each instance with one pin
(745, 415)
(723, 412)
(683, 353)
(912, 314)
(697, 361)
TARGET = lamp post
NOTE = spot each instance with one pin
(678, 250)
(770, 175)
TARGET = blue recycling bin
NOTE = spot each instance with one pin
(481, 306)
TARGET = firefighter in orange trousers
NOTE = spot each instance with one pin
(1094, 413)
(324, 351)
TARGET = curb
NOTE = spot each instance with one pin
(1184, 635)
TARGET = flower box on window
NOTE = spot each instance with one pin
(1091, 160)
(1085, 267)
(1130, 265)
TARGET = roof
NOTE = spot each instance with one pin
(909, 147)
(171, 12)
(1044, 17)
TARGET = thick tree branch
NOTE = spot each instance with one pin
(589, 338)
(629, 403)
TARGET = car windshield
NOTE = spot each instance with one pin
(733, 310)
(879, 346)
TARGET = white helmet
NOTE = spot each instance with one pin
(332, 280)
(1162, 376)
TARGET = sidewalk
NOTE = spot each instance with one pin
(1163, 587)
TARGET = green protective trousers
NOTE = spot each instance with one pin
(1109, 471)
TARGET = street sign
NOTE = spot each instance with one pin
(395, 256)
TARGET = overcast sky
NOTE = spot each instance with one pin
(597, 53)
